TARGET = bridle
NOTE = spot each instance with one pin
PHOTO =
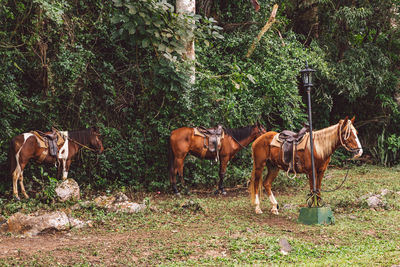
(346, 136)
(260, 128)
(84, 146)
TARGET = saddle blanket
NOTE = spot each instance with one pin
(197, 132)
(43, 143)
(276, 142)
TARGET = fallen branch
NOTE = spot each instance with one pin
(266, 27)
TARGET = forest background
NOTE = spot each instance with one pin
(119, 65)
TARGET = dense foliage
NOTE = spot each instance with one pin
(119, 65)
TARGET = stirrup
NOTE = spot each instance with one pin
(295, 173)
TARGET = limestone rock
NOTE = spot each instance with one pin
(104, 201)
(285, 246)
(289, 207)
(127, 207)
(33, 224)
(120, 197)
(375, 202)
(119, 203)
(68, 190)
(385, 191)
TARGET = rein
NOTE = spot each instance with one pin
(341, 184)
(346, 136)
(76, 142)
(237, 141)
(82, 145)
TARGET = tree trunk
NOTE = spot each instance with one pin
(188, 7)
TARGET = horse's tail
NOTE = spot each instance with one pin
(252, 185)
(171, 158)
(12, 160)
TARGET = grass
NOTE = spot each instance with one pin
(226, 231)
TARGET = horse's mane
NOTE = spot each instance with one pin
(239, 133)
(325, 141)
(81, 136)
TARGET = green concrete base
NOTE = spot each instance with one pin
(319, 215)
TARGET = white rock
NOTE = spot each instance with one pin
(128, 207)
(374, 202)
(385, 192)
(33, 224)
(285, 246)
(68, 190)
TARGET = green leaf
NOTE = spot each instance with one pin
(145, 43)
(132, 30)
(251, 78)
(132, 10)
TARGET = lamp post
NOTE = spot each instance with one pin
(314, 214)
(307, 81)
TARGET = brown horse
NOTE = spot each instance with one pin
(183, 141)
(25, 146)
(326, 141)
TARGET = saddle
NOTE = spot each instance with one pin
(289, 141)
(214, 137)
(52, 141)
(49, 140)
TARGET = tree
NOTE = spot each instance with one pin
(188, 7)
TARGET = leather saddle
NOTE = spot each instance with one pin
(51, 139)
(214, 136)
(289, 147)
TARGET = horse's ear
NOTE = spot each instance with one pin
(352, 120)
(346, 119)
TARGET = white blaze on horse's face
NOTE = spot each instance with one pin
(359, 147)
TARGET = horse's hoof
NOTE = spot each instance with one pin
(220, 192)
(178, 194)
(16, 197)
(259, 211)
(275, 211)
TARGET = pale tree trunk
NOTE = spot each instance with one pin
(188, 7)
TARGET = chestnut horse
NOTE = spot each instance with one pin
(183, 141)
(25, 146)
(326, 141)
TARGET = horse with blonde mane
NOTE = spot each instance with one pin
(326, 141)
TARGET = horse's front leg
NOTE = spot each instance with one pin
(222, 170)
(60, 169)
(66, 164)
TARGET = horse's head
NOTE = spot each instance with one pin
(95, 140)
(259, 129)
(348, 137)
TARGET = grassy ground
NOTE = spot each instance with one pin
(224, 230)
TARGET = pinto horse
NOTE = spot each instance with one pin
(183, 141)
(326, 141)
(25, 146)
